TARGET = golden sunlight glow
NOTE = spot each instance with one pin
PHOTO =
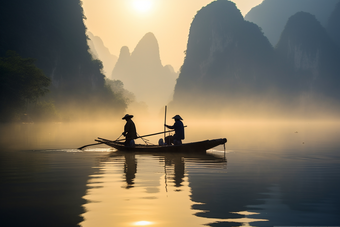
(142, 223)
(142, 5)
(129, 20)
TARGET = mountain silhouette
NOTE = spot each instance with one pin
(101, 52)
(231, 66)
(272, 15)
(226, 56)
(53, 33)
(333, 26)
(311, 53)
(143, 74)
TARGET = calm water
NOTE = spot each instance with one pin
(270, 175)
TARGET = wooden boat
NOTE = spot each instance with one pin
(200, 146)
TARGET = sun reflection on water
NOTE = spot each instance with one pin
(245, 221)
(154, 188)
(142, 223)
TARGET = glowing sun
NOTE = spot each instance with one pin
(142, 5)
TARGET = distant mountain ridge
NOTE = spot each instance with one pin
(143, 74)
(311, 53)
(272, 15)
(333, 26)
(231, 65)
(101, 52)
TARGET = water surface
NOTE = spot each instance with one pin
(270, 175)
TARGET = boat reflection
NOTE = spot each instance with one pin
(177, 161)
(148, 189)
(130, 169)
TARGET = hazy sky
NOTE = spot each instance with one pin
(124, 22)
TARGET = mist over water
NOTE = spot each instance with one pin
(248, 134)
(277, 106)
(270, 169)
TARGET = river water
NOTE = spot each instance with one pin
(269, 174)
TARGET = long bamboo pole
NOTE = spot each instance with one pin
(153, 134)
(123, 139)
(165, 123)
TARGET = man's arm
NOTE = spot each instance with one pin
(170, 127)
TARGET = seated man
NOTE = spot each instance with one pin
(178, 126)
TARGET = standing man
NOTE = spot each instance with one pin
(130, 132)
(177, 138)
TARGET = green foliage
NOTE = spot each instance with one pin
(117, 88)
(53, 33)
(98, 64)
(21, 82)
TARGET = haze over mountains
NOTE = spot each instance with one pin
(231, 65)
(101, 52)
(311, 54)
(272, 15)
(225, 55)
(333, 26)
(142, 72)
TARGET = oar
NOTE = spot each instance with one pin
(80, 148)
(153, 134)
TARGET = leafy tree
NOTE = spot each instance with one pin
(54, 33)
(120, 92)
(21, 83)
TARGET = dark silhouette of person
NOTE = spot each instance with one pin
(130, 132)
(179, 170)
(178, 126)
(130, 169)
